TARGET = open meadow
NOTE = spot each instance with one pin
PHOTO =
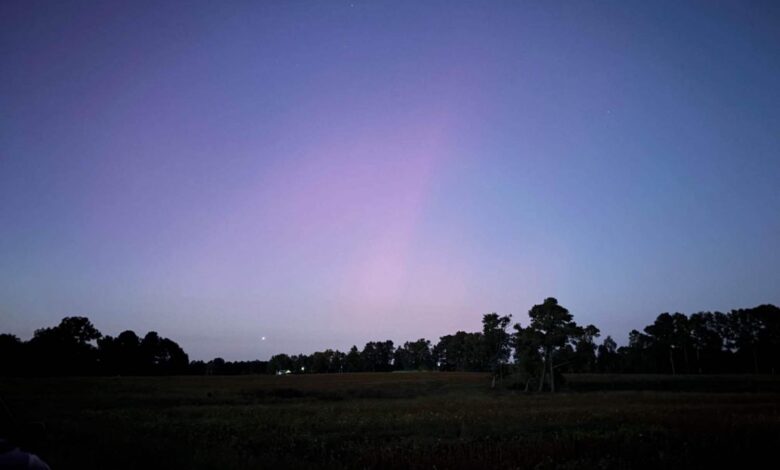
(397, 420)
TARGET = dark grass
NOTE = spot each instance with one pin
(673, 383)
(425, 420)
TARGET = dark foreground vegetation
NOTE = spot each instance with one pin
(398, 420)
(665, 400)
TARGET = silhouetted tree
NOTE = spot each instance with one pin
(497, 342)
(280, 363)
(216, 366)
(755, 336)
(414, 355)
(555, 329)
(377, 356)
(529, 360)
(353, 362)
(338, 362)
(663, 338)
(301, 363)
(584, 359)
(744, 340)
(607, 360)
(66, 349)
(198, 368)
(637, 356)
(769, 337)
(11, 355)
(461, 351)
(121, 355)
(162, 356)
(707, 341)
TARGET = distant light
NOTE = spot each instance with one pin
(262, 338)
(303, 368)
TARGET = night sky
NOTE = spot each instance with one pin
(326, 173)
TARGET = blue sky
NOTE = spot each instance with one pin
(328, 173)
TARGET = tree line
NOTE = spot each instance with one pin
(76, 347)
(535, 355)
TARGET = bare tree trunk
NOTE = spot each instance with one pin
(544, 370)
(552, 374)
(671, 359)
(493, 383)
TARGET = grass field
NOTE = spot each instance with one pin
(398, 420)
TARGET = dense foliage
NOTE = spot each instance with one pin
(741, 341)
(76, 347)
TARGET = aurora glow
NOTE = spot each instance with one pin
(328, 173)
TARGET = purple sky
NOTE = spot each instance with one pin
(329, 173)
